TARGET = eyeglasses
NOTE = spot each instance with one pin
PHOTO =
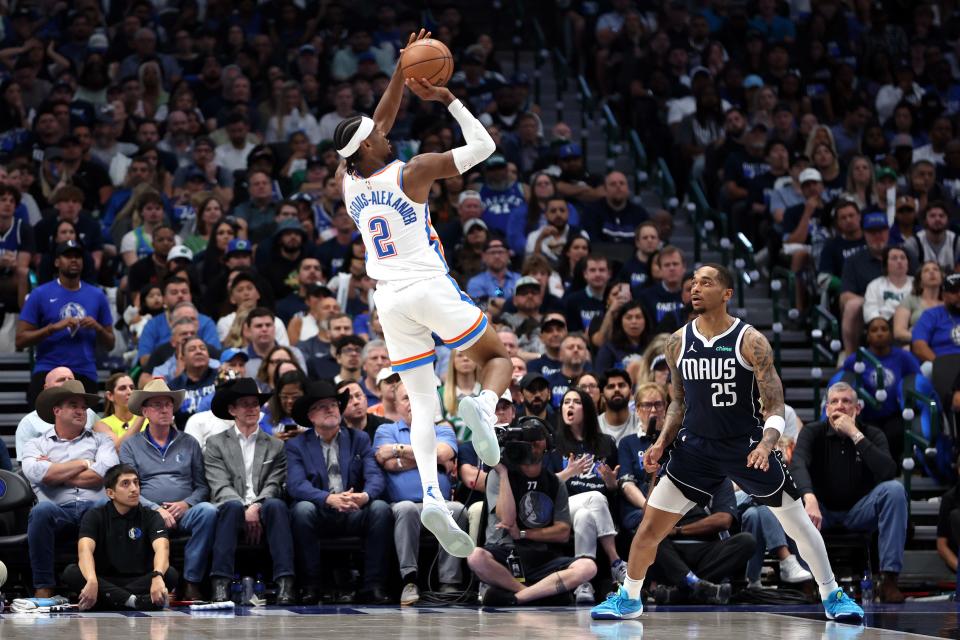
(649, 406)
(589, 385)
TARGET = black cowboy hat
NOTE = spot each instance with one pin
(233, 390)
(317, 390)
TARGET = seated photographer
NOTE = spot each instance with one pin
(586, 461)
(528, 516)
(124, 550)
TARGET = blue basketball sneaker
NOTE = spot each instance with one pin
(842, 608)
(618, 606)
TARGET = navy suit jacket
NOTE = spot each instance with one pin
(307, 468)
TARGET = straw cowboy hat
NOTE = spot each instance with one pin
(49, 398)
(233, 390)
(156, 388)
(318, 390)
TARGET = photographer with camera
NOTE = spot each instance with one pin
(529, 516)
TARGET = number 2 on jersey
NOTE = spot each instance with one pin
(380, 231)
(722, 391)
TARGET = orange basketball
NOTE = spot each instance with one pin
(428, 59)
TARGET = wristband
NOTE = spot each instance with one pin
(775, 422)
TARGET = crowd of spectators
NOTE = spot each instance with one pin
(167, 176)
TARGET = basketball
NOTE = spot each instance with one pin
(428, 59)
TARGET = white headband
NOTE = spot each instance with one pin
(364, 130)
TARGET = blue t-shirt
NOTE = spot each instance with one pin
(499, 205)
(48, 304)
(405, 485)
(896, 365)
(940, 330)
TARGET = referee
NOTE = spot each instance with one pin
(124, 551)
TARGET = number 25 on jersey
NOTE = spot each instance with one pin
(724, 394)
(380, 235)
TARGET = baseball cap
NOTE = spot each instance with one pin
(385, 374)
(232, 353)
(752, 81)
(875, 220)
(810, 175)
(886, 172)
(196, 173)
(469, 194)
(552, 319)
(472, 223)
(569, 150)
(308, 49)
(952, 283)
(98, 42)
(532, 378)
(68, 246)
(180, 252)
(104, 114)
(526, 281)
(238, 245)
(905, 201)
(496, 161)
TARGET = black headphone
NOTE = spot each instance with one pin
(533, 422)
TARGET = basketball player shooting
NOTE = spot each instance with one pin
(724, 384)
(415, 294)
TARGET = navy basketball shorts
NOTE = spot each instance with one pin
(698, 466)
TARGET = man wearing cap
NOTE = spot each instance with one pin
(615, 217)
(65, 320)
(574, 360)
(847, 241)
(309, 273)
(464, 238)
(497, 280)
(290, 245)
(802, 220)
(175, 290)
(68, 202)
(153, 268)
(336, 484)
(905, 225)
(553, 329)
(535, 390)
(32, 425)
(403, 488)
(65, 467)
(246, 470)
(502, 198)
(16, 250)
(527, 298)
(172, 480)
(575, 183)
(863, 267)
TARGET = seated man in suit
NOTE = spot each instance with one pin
(246, 469)
(124, 550)
(395, 455)
(65, 466)
(335, 481)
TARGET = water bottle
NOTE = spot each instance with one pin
(236, 590)
(866, 588)
(258, 587)
(247, 595)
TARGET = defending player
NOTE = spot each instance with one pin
(724, 383)
(415, 295)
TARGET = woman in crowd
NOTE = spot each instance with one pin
(462, 379)
(572, 256)
(209, 212)
(860, 181)
(586, 461)
(628, 336)
(276, 419)
(885, 293)
(212, 262)
(118, 421)
(266, 374)
(590, 383)
(927, 292)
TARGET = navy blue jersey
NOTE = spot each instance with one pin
(721, 396)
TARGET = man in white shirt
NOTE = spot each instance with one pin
(246, 470)
(232, 155)
(32, 425)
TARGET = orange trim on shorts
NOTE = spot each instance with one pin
(472, 327)
(412, 358)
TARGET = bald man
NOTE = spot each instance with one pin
(31, 425)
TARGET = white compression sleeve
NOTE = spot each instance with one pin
(424, 405)
(479, 143)
(796, 524)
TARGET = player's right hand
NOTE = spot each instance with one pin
(651, 457)
(426, 91)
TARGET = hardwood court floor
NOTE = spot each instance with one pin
(381, 623)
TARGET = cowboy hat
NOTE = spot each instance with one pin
(233, 390)
(156, 388)
(315, 391)
(49, 398)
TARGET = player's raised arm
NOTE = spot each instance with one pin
(756, 350)
(424, 169)
(676, 409)
(386, 112)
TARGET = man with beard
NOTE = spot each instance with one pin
(551, 238)
(615, 217)
(65, 321)
(936, 241)
(502, 198)
(935, 333)
(288, 249)
(617, 421)
(177, 140)
(574, 360)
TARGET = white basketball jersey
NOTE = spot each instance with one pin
(400, 241)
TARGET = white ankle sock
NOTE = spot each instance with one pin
(796, 524)
(489, 398)
(633, 587)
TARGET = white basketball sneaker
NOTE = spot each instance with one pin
(437, 518)
(481, 419)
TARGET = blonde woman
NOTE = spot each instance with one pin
(293, 115)
(860, 181)
(463, 379)
(119, 422)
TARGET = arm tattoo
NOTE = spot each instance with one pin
(758, 353)
(674, 417)
(561, 588)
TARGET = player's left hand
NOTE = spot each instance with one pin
(424, 34)
(759, 458)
